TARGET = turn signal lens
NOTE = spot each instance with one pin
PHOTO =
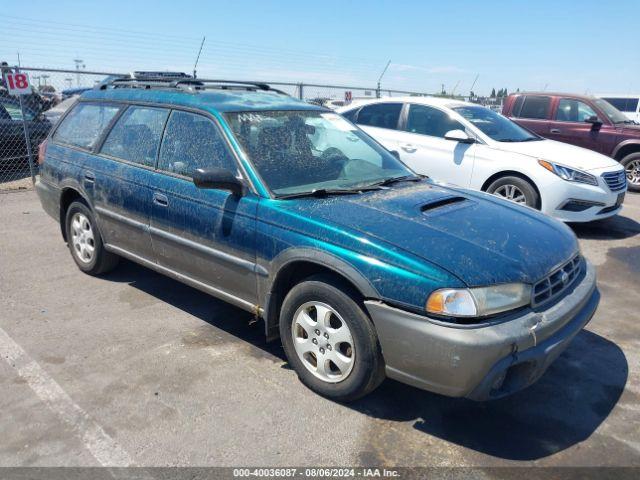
(457, 303)
(546, 165)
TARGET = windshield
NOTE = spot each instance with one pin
(302, 151)
(495, 126)
(615, 115)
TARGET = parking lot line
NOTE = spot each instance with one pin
(104, 448)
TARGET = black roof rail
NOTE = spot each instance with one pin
(189, 82)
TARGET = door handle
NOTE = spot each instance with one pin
(555, 130)
(160, 199)
(89, 177)
(407, 147)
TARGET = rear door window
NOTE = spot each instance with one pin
(136, 135)
(535, 107)
(382, 115)
(85, 124)
(193, 141)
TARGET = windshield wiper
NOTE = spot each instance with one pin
(323, 192)
(389, 181)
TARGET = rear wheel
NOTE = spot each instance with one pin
(85, 242)
(631, 164)
(516, 190)
(329, 340)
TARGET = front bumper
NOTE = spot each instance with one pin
(483, 361)
(559, 193)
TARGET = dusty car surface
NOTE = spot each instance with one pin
(358, 265)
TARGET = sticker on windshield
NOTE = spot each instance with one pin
(338, 122)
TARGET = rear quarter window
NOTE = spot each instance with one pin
(84, 125)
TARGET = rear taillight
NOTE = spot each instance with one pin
(42, 151)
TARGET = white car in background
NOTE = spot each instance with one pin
(471, 146)
(627, 104)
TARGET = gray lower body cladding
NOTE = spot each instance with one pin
(482, 361)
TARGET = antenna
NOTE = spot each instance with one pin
(544, 89)
(198, 57)
(380, 79)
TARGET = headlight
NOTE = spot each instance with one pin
(569, 174)
(478, 302)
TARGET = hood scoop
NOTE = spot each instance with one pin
(444, 204)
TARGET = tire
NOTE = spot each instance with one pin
(631, 164)
(85, 242)
(515, 189)
(361, 367)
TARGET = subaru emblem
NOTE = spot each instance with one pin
(564, 278)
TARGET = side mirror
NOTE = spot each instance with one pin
(218, 178)
(395, 153)
(458, 136)
(595, 123)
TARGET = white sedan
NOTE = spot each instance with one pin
(473, 147)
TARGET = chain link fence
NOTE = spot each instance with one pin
(54, 90)
(22, 129)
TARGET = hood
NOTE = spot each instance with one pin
(563, 153)
(480, 239)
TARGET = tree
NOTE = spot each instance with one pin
(493, 93)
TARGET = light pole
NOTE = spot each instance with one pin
(79, 64)
(380, 79)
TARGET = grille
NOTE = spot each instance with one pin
(557, 282)
(615, 180)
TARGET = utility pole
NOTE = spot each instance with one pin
(380, 79)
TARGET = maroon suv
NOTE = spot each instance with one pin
(585, 121)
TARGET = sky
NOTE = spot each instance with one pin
(576, 46)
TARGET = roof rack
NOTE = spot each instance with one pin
(186, 83)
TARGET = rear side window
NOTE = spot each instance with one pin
(383, 115)
(193, 141)
(136, 135)
(535, 107)
(85, 124)
(430, 121)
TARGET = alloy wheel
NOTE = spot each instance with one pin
(632, 170)
(323, 341)
(511, 192)
(82, 238)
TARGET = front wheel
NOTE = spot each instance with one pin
(631, 164)
(329, 340)
(516, 190)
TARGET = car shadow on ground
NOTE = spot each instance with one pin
(613, 228)
(563, 408)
